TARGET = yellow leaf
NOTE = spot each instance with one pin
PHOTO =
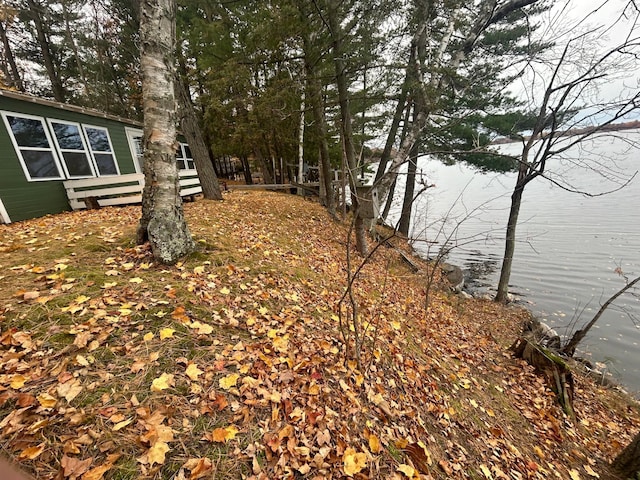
(18, 381)
(222, 435)
(82, 360)
(486, 472)
(166, 333)
(408, 470)
(229, 381)
(163, 382)
(107, 285)
(112, 273)
(46, 400)
(193, 372)
(198, 270)
(121, 425)
(157, 453)
(81, 299)
(374, 444)
(573, 473)
(32, 453)
(538, 451)
(136, 280)
(590, 471)
(202, 328)
(225, 291)
(148, 337)
(353, 462)
(396, 325)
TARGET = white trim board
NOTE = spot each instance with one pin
(3, 213)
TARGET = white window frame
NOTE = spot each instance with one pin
(18, 149)
(185, 159)
(132, 134)
(61, 151)
(112, 152)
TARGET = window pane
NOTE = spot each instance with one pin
(28, 132)
(106, 165)
(187, 151)
(68, 136)
(98, 139)
(191, 164)
(77, 164)
(40, 164)
(180, 163)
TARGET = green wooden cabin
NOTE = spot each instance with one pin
(43, 143)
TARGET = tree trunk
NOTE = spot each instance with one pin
(409, 189)
(267, 175)
(246, 169)
(570, 348)
(41, 36)
(191, 130)
(162, 221)
(509, 245)
(627, 463)
(320, 123)
(337, 36)
(15, 80)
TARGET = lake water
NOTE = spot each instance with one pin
(569, 245)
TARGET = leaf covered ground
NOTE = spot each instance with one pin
(231, 364)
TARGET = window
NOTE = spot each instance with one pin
(101, 150)
(184, 158)
(33, 144)
(134, 136)
(72, 148)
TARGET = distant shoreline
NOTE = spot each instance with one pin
(614, 127)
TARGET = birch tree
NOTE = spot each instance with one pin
(162, 222)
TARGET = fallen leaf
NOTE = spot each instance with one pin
(98, 472)
(199, 467)
(222, 435)
(353, 462)
(486, 472)
(47, 401)
(18, 381)
(157, 453)
(193, 372)
(74, 467)
(166, 333)
(590, 471)
(69, 390)
(374, 444)
(32, 453)
(408, 470)
(121, 425)
(163, 382)
(573, 473)
(229, 381)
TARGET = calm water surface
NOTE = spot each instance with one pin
(569, 245)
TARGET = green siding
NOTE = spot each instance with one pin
(25, 199)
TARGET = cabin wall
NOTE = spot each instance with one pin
(24, 199)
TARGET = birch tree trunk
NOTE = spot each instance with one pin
(162, 222)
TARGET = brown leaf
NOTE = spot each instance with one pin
(73, 467)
